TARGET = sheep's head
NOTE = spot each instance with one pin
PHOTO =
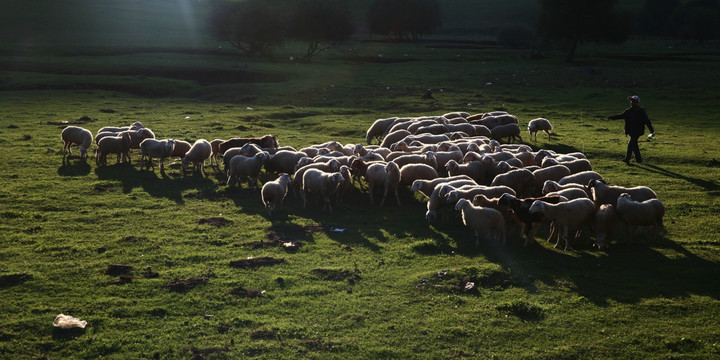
(334, 164)
(461, 204)
(480, 200)
(451, 166)
(452, 196)
(506, 199)
(430, 215)
(549, 186)
(444, 190)
(536, 207)
(416, 185)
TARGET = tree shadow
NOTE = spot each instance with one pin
(163, 186)
(712, 187)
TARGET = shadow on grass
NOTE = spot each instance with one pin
(74, 166)
(162, 186)
(712, 187)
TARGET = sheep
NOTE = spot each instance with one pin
(455, 115)
(228, 155)
(119, 145)
(415, 125)
(323, 183)
(283, 161)
(150, 148)
(485, 201)
(442, 157)
(426, 138)
(394, 137)
(571, 213)
(527, 158)
(197, 155)
(435, 129)
(604, 223)
(330, 166)
(360, 166)
(520, 180)
(181, 148)
(492, 120)
(602, 193)
(215, 146)
(241, 166)
(470, 191)
(570, 193)
(520, 208)
(435, 200)
(575, 165)
(553, 186)
(509, 131)
(345, 185)
(137, 136)
(386, 176)
(400, 124)
(273, 192)
(580, 178)
(473, 169)
(135, 126)
(470, 129)
(553, 173)
(427, 158)
(484, 221)
(641, 213)
(412, 172)
(75, 135)
(267, 141)
(426, 186)
(377, 129)
(539, 124)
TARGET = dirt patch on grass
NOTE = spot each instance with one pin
(81, 120)
(183, 285)
(467, 280)
(246, 293)
(118, 269)
(523, 310)
(256, 262)
(264, 334)
(14, 279)
(211, 195)
(133, 239)
(215, 221)
(319, 345)
(122, 280)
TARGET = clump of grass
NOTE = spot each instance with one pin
(522, 309)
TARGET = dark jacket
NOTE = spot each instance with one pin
(635, 121)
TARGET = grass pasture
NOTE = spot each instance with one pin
(210, 278)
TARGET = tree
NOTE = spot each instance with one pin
(656, 17)
(572, 22)
(404, 19)
(252, 26)
(699, 19)
(321, 23)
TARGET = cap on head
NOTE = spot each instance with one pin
(634, 98)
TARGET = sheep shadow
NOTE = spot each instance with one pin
(79, 167)
(712, 187)
(625, 273)
(163, 186)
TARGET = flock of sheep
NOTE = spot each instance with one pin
(455, 160)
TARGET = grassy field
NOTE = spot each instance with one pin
(390, 285)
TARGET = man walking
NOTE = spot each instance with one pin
(635, 121)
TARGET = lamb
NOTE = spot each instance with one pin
(641, 213)
(150, 148)
(427, 186)
(411, 172)
(485, 221)
(604, 222)
(473, 169)
(520, 180)
(273, 192)
(246, 167)
(119, 145)
(75, 135)
(378, 128)
(215, 146)
(197, 155)
(521, 209)
(580, 178)
(553, 173)
(509, 131)
(602, 193)
(181, 148)
(323, 183)
(571, 213)
(539, 124)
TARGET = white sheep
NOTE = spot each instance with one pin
(435, 200)
(215, 145)
(322, 183)
(493, 120)
(119, 145)
(330, 166)
(509, 131)
(552, 173)
(75, 135)
(283, 161)
(520, 180)
(604, 222)
(470, 191)
(539, 124)
(378, 128)
(241, 166)
(553, 186)
(602, 193)
(570, 193)
(394, 137)
(473, 169)
(150, 148)
(575, 165)
(426, 187)
(411, 172)
(273, 192)
(181, 148)
(566, 214)
(641, 213)
(345, 185)
(484, 221)
(198, 153)
(580, 178)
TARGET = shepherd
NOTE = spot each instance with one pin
(636, 120)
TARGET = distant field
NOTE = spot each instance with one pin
(390, 285)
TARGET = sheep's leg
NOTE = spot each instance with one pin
(382, 202)
(327, 204)
(397, 197)
(304, 194)
(371, 187)
(548, 132)
(477, 239)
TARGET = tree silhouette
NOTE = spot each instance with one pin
(246, 25)
(572, 22)
(404, 19)
(321, 23)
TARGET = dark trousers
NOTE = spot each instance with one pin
(633, 148)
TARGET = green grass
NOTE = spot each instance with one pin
(390, 285)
